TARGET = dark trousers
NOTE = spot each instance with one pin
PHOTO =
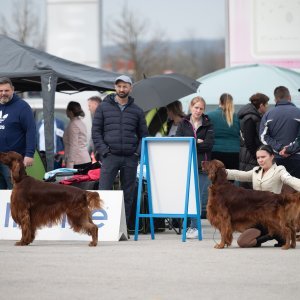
(291, 165)
(127, 165)
(5, 178)
(229, 159)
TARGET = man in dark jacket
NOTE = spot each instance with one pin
(280, 129)
(17, 129)
(118, 128)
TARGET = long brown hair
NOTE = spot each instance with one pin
(176, 108)
(226, 102)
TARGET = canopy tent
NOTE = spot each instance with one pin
(33, 70)
(245, 80)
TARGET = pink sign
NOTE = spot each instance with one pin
(262, 31)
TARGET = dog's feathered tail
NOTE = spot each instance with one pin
(94, 200)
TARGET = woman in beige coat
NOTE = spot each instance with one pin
(266, 177)
(75, 138)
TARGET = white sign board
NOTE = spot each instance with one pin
(168, 165)
(110, 220)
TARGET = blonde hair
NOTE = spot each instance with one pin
(226, 102)
(196, 100)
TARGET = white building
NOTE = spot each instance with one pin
(74, 30)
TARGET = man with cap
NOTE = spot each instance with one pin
(118, 128)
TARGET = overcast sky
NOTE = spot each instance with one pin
(179, 19)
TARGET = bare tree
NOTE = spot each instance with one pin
(198, 57)
(24, 24)
(129, 34)
(191, 57)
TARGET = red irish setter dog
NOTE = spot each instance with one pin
(35, 203)
(292, 208)
(231, 208)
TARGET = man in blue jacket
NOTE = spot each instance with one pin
(280, 128)
(17, 129)
(118, 128)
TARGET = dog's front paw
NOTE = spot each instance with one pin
(21, 243)
(285, 247)
(93, 244)
(219, 246)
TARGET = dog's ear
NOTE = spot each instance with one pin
(15, 170)
(211, 171)
(221, 174)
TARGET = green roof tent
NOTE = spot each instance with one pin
(245, 80)
(31, 69)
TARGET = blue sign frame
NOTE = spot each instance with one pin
(192, 159)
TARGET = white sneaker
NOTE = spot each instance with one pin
(192, 233)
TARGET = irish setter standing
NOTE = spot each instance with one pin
(35, 203)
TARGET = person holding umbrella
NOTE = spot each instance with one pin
(198, 125)
(118, 128)
(175, 116)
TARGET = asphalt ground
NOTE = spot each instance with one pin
(164, 268)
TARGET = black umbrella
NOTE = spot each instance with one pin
(160, 90)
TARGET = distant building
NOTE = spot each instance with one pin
(120, 65)
(74, 30)
(261, 31)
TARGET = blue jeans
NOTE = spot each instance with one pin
(204, 182)
(5, 178)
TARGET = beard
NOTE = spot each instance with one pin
(4, 99)
(123, 95)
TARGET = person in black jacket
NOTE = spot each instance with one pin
(198, 125)
(250, 116)
(118, 128)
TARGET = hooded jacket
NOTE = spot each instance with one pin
(118, 131)
(17, 127)
(249, 126)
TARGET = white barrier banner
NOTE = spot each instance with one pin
(110, 220)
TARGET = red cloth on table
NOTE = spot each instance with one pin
(92, 175)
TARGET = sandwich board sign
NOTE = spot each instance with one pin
(171, 180)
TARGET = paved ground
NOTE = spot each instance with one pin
(164, 268)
